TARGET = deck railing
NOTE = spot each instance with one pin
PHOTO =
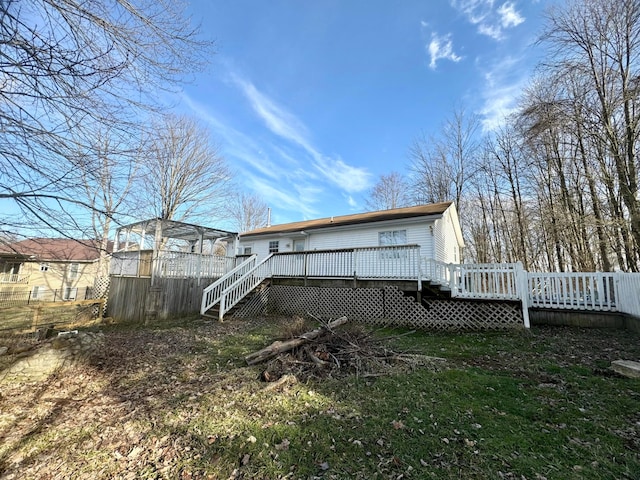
(239, 289)
(573, 290)
(169, 264)
(496, 281)
(213, 294)
(499, 281)
(392, 262)
(192, 265)
(13, 278)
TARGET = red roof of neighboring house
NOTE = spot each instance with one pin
(379, 216)
(55, 249)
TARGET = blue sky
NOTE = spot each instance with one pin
(311, 101)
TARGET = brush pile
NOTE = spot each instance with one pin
(334, 350)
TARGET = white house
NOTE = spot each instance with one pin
(434, 227)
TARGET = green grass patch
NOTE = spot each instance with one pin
(531, 405)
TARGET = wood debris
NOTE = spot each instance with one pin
(329, 351)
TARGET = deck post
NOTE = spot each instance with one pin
(522, 283)
(452, 279)
(417, 259)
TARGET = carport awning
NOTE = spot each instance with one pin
(175, 230)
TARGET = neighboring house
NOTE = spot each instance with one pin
(434, 227)
(49, 268)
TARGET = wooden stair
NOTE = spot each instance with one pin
(214, 312)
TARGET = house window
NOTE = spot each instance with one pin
(38, 292)
(44, 267)
(274, 246)
(390, 238)
(246, 250)
(70, 293)
(73, 270)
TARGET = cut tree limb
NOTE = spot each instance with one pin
(279, 347)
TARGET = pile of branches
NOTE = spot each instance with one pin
(334, 350)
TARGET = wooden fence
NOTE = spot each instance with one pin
(134, 299)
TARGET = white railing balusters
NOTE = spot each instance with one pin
(213, 293)
(14, 278)
(573, 290)
(507, 281)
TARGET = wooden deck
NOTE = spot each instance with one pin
(584, 291)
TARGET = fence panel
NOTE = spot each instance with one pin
(628, 293)
(573, 290)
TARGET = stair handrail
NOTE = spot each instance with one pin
(436, 271)
(211, 294)
(243, 285)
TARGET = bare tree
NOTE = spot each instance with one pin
(107, 180)
(430, 179)
(68, 66)
(182, 174)
(248, 212)
(442, 165)
(390, 191)
(599, 40)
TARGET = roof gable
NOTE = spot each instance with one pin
(356, 219)
(55, 249)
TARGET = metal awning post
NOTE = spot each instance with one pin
(157, 241)
(201, 242)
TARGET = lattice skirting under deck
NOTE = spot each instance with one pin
(101, 290)
(381, 306)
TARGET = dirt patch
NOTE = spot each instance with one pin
(97, 418)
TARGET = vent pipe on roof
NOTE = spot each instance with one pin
(268, 216)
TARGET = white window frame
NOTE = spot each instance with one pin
(74, 270)
(274, 246)
(44, 267)
(70, 293)
(37, 292)
(390, 238)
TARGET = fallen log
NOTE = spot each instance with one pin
(279, 347)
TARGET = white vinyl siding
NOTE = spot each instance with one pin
(437, 238)
(368, 236)
(358, 237)
(445, 240)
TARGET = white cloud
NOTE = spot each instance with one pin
(509, 17)
(287, 126)
(235, 144)
(351, 179)
(275, 195)
(441, 48)
(490, 21)
(490, 31)
(504, 83)
(276, 118)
